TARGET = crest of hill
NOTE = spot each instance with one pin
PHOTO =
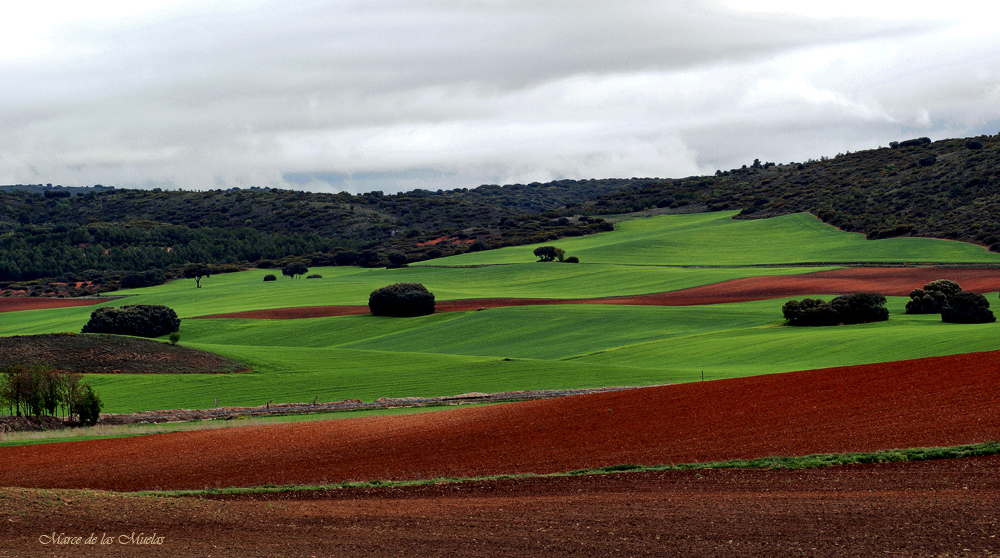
(111, 354)
(944, 189)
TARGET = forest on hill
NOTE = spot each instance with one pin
(944, 189)
(101, 234)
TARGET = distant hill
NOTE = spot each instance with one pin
(944, 189)
(88, 233)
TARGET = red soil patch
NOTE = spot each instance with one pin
(893, 281)
(930, 508)
(16, 304)
(926, 402)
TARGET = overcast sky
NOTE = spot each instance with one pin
(403, 94)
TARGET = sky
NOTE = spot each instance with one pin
(394, 95)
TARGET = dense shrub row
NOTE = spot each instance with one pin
(855, 308)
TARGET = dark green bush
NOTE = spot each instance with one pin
(140, 320)
(572, 259)
(967, 308)
(270, 277)
(401, 300)
(314, 276)
(933, 297)
(855, 308)
(88, 405)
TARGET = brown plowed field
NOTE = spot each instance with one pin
(931, 508)
(892, 281)
(16, 304)
(927, 402)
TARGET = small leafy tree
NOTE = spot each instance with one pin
(549, 253)
(292, 269)
(401, 300)
(88, 405)
(196, 271)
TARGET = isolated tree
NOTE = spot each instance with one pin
(401, 300)
(88, 405)
(294, 268)
(549, 253)
(196, 271)
(967, 308)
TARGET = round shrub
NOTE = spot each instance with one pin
(933, 297)
(314, 276)
(401, 300)
(270, 277)
(572, 259)
(140, 320)
(968, 308)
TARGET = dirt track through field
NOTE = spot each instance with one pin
(893, 281)
(927, 402)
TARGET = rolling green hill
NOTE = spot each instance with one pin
(543, 347)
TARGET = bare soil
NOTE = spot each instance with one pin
(892, 281)
(927, 402)
(17, 304)
(930, 508)
(110, 354)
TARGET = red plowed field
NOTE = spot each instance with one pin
(930, 508)
(894, 281)
(926, 402)
(16, 304)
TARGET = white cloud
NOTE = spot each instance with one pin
(458, 92)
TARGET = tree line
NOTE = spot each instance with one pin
(35, 390)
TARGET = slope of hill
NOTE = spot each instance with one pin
(944, 189)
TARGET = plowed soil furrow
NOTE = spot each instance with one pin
(926, 402)
(894, 281)
(931, 508)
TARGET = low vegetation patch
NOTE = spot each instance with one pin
(110, 354)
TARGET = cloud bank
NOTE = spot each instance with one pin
(434, 94)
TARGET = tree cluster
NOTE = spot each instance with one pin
(140, 320)
(857, 308)
(36, 390)
(401, 300)
(946, 297)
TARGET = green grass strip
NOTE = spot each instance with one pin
(772, 463)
